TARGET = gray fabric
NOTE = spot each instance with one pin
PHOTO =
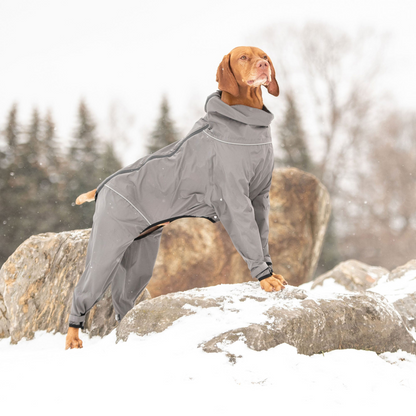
(222, 171)
(113, 257)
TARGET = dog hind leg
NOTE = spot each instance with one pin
(115, 226)
(135, 271)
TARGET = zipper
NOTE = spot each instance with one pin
(148, 160)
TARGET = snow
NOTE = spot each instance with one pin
(396, 289)
(167, 373)
(327, 289)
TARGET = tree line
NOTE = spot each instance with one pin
(40, 181)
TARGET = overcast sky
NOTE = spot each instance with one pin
(128, 53)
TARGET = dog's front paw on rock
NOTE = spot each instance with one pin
(72, 339)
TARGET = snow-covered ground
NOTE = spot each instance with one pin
(166, 373)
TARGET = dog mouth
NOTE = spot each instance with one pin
(261, 79)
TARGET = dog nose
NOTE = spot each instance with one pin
(262, 64)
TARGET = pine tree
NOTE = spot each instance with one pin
(30, 175)
(55, 192)
(10, 207)
(50, 154)
(292, 139)
(109, 162)
(83, 169)
(164, 132)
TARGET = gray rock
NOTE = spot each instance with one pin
(4, 320)
(37, 282)
(310, 322)
(359, 321)
(155, 315)
(354, 275)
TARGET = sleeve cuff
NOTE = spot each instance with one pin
(265, 274)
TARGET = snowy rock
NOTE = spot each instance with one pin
(37, 282)
(353, 275)
(310, 322)
(399, 287)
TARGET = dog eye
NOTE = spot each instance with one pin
(264, 57)
(243, 57)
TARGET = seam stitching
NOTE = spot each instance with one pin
(129, 203)
(238, 144)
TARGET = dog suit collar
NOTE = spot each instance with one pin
(241, 113)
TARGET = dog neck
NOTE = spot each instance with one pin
(249, 96)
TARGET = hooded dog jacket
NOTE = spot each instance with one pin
(221, 171)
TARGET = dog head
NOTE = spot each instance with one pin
(246, 66)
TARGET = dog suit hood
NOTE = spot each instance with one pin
(221, 171)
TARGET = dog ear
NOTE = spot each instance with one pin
(225, 77)
(273, 87)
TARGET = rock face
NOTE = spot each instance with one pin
(299, 212)
(4, 320)
(36, 286)
(354, 275)
(308, 321)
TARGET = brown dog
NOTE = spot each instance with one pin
(240, 76)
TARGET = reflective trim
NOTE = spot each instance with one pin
(109, 187)
(238, 144)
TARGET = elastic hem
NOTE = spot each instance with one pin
(267, 269)
(265, 277)
(80, 325)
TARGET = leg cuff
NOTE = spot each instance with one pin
(76, 321)
(80, 325)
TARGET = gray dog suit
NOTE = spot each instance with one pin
(221, 171)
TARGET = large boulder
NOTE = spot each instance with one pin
(299, 212)
(36, 286)
(313, 323)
